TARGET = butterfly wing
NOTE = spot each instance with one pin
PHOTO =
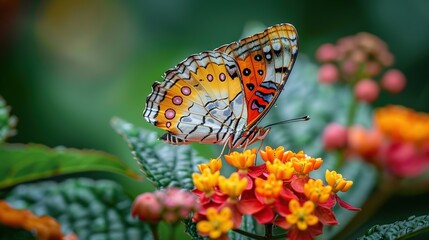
(265, 61)
(200, 100)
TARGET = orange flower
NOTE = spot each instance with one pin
(304, 164)
(403, 124)
(214, 165)
(337, 182)
(243, 160)
(270, 154)
(269, 189)
(363, 142)
(316, 192)
(281, 170)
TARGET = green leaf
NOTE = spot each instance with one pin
(23, 163)
(7, 122)
(191, 229)
(399, 230)
(163, 164)
(92, 209)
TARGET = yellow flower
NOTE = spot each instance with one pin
(269, 189)
(403, 124)
(281, 170)
(301, 216)
(206, 181)
(337, 182)
(304, 164)
(214, 165)
(316, 192)
(217, 224)
(242, 161)
(232, 186)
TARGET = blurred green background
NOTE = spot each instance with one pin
(68, 66)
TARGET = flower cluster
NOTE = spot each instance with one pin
(44, 227)
(357, 60)
(279, 191)
(397, 142)
(169, 205)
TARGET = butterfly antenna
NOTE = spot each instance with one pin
(305, 118)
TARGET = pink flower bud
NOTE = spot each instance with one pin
(327, 52)
(328, 73)
(393, 81)
(147, 207)
(334, 136)
(349, 67)
(178, 204)
(372, 68)
(366, 90)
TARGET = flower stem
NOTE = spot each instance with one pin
(154, 229)
(351, 115)
(173, 231)
(352, 111)
(248, 234)
(268, 230)
(268, 233)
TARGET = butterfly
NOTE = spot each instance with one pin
(220, 96)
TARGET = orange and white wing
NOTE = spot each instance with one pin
(200, 100)
(265, 61)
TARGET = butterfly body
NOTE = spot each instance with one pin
(219, 96)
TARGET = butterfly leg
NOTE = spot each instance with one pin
(227, 142)
(260, 145)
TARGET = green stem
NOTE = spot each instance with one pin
(268, 233)
(340, 156)
(268, 230)
(351, 115)
(154, 229)
(248, 234)
(173, 231)
(352, 111)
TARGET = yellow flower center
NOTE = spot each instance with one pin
(281, 170)
(304, 164)
(206, 181)
(316, 192)
(301, 216)
(232, 186)
(217, 223)
(269, 189)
